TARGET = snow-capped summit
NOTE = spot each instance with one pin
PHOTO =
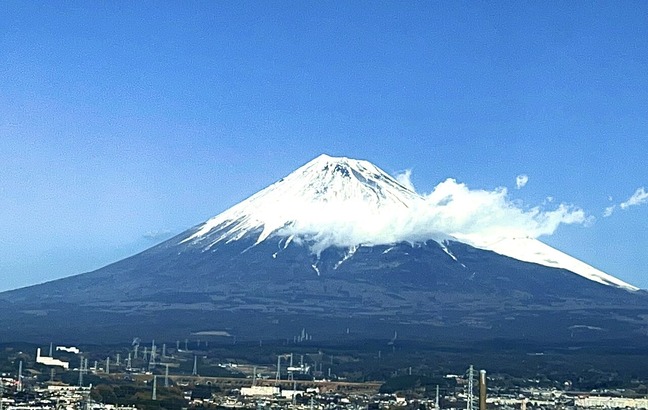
(329, 201)
(343, 202)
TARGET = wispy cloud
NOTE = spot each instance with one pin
(156, 236)
(521, 180)
(639, 197)
(405, 179)
(609, 211)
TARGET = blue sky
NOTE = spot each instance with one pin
(122, 123)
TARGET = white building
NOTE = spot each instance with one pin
(264, 391)
(50, 361)
(291, 394)
(611, 402)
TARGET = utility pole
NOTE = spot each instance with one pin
(482, 390)
(294, 393)
(154, 395)
(81, 372)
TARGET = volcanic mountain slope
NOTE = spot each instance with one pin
(331, 247)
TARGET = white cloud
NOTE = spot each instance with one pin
(451, 210)
(460, 211)
(521, 180)
(404, 178)
(609, 211)
(639, 197)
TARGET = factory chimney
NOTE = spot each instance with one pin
(482, 390)
(19, 385)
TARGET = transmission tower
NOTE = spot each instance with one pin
(469, 394)
(151, 364)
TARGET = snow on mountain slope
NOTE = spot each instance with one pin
(346, 202)
(535, 251)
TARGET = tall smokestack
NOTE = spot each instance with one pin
(19, 387)
(482, 390)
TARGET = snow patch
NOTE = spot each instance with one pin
(446, 250)
(316, 269)
(352, 250)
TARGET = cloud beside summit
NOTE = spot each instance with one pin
(450, 210)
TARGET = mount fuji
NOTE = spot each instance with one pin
(338, 247)
(348, 203)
